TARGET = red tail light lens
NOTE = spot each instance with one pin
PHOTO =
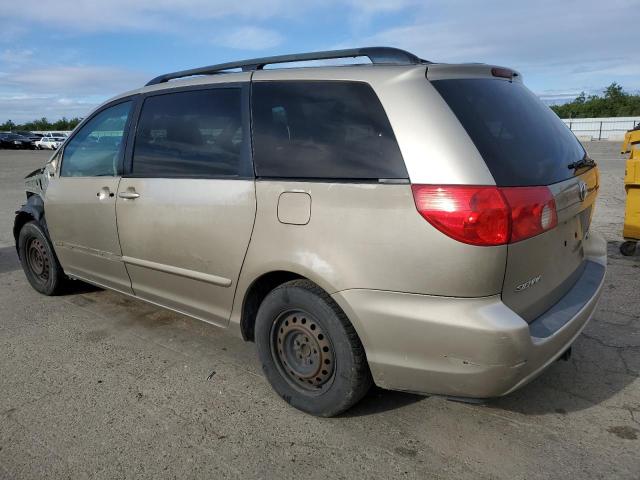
(474, 215)
(486, 215)
(533, 211)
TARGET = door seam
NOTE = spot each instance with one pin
(115, 207)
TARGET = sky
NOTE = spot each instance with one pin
(64, 57)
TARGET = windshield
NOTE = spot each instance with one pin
(521, 140)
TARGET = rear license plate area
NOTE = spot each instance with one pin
(585, 221)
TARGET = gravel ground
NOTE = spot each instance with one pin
(97, 385)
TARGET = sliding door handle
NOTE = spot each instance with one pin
(129, 195)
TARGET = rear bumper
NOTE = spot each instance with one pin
(468, 347)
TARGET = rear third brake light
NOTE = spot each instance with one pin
(484, 215)
(503, 72)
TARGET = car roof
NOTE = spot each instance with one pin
(342, 72)
(386, 63)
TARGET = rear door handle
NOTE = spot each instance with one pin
(129, 195)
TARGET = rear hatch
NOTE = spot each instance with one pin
(524, 144)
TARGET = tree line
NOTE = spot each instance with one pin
(615, 102)
(41, 125)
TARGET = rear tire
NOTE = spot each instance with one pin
(309, 351)
(39, 261)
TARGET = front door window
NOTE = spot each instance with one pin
(96, 150)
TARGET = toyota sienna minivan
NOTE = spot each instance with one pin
(419, 226)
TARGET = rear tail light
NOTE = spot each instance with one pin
(533, 211)
(482, 215)
(474, 215)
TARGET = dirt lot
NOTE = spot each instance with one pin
(96, 385)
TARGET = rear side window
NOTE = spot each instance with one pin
(521, 140)
(190, 134)
(324, 130)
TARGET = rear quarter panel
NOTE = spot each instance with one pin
(370, 236)
(364, 236)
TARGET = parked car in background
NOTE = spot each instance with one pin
(49, 143)
(30, 135)
(55, 134)
(13, 140)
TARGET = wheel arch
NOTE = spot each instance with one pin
(255, 294)
(32, 210)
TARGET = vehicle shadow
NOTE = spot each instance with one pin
(77, 287)
(9, 261)
(379, 400)
(568, 388)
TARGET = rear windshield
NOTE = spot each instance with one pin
(322, 130)
(521, 140)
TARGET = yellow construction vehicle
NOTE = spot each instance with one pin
(631, 231)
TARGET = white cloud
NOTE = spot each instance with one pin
(24, 108)
(249, 38)
(545, 31)
(9, 32)
(377, 6)
(55, 91)
(170, 16)
(16, 57)
(141, 15)
(571, 44)
(72, 80)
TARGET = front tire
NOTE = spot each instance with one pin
(39, 262)
(309, 351)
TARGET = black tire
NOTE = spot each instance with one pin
(628, 248)
(39, 261)
(317, 331)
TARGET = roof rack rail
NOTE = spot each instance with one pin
(377, 55)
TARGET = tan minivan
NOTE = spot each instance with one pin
(420, 226)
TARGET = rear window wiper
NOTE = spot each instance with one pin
(585, 162)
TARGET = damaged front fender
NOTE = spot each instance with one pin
(36, 184)
(32, 210)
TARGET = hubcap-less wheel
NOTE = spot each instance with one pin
(38, 260)
(309, 351)
(302, 351)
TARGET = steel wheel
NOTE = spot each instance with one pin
(309, 351)
(303, 351)
(38, 260)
